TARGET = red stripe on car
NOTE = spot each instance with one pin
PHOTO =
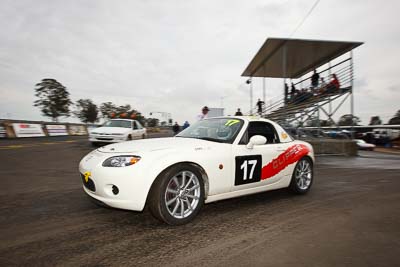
(291, 155)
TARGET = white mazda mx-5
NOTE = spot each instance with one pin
(213, 159)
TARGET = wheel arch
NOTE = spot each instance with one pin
(310, 158)
(202, 171)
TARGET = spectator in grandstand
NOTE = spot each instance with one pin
(322, 83)
(185, 125)
(260, 105)
(303, 95)
(292, 92)
(314, 79)
(238, 112)
(322, 86)
(176, 128)
(308, 94)
(203, 114)
(333, 86)
(299, 96)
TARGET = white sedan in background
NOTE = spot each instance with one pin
(362, 145)
(213, 159)
(117, 130)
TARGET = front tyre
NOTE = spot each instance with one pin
(177, 195)
(303, 176)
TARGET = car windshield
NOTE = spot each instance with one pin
(118, 123)
(222, 130)
(360, 141)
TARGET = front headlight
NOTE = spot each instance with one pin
(121, 161)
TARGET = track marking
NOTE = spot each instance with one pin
(11, 147)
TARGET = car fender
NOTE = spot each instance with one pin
(215, 168)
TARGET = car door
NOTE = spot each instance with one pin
(254, 167)
(135, 130)
(142, 131)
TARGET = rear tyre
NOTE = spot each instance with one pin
(177, 195)
(303, 176)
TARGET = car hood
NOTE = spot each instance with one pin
(156, 144)
(111, 130)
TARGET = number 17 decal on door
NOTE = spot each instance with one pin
(248, 169)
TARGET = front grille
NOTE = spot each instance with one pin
(104, 138)
(89, 184)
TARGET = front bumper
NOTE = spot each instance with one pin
(115, 203)
(123, 187)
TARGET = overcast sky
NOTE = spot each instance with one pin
(177, 56)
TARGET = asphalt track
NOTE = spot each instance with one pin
(351, 217)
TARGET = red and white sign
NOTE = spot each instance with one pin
(56, 130)
(28, 130)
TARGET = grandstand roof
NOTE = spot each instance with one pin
(302, 56)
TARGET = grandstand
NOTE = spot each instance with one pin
(304, 103)
(294, 60)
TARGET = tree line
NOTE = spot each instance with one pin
(351, 120)
(54, 102)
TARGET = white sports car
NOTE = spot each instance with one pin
(117, 130)
(213, 159)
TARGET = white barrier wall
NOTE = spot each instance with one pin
(3, 132)
(77, 130)
(27, 130)
(56, 129)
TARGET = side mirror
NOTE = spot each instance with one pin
(256, 140)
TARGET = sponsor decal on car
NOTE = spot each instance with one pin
(231, 122)
(289, 156)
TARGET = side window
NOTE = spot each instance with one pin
(260, 128)
(134, 125)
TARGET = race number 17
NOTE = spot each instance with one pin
(253, 164)
(248, 169)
